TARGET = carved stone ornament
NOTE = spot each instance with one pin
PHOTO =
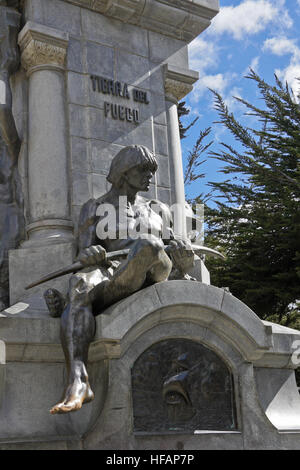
(179, 19)
(41, 45)
(178, 82)
(176, 90)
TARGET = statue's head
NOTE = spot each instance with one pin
(130, 157)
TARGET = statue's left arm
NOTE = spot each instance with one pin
(178, 249)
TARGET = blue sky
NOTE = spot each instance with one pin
(261, 34)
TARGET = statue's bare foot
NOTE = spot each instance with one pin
(77, 394)
(55, 302)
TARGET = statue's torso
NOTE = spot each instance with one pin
(131, 221)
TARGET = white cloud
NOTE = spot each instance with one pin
(218, 82)
(283, 46)
(254, 65)
(291, 74)
(203, 54)
(250, 17)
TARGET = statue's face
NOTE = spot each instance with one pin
(139, 177)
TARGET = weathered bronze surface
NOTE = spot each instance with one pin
(11, 200)
(101, 283)
(179, 385)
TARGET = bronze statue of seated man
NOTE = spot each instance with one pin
(101, 283)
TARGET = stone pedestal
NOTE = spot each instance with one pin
(255, 356)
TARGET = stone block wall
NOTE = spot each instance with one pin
(108, 48)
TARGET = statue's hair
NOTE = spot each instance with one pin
(130, 157)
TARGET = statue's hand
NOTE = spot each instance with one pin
(181, 254)
(94, 255)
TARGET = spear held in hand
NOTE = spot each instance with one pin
(77, 266)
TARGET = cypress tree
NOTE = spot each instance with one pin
(256, 218)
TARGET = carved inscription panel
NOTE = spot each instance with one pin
(119, 90)
(179, 385)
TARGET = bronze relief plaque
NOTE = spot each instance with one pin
(179, 385)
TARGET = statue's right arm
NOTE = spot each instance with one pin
(89, 252)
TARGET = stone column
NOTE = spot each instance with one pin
(178, 83)
(43, 52)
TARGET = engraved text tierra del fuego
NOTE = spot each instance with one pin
(118, 89)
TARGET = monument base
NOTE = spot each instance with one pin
(224, 379)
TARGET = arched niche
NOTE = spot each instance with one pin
(180, 385)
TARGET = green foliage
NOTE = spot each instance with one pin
(256, 221)
(183, 111)
(191, 173)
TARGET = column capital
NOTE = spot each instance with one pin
(42, 46)
(178, 82)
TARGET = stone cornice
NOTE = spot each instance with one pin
(178, 82)
(42, 46)
(181, 19)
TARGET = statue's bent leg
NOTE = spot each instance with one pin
(77, 331)
(146, 260)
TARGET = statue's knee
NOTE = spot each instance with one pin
(151, 246)
(78, 289)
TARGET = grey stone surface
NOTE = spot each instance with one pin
(100, 185)
(163, 177)
(133, 69)
(127, 37)
(131, 326)
(33, 421)
(100, 60)
(33, 11)
(200, 271)
(164, 195)
(78, 121)
(75, 55)
(286, 397)
(57, 14)
(42, 258)
(77, 88)
(102, 154)
(81, 188)
(80, 155)
(238, 312)
(161, 139)
(164, 17)
(162, 47)
(158, 109)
